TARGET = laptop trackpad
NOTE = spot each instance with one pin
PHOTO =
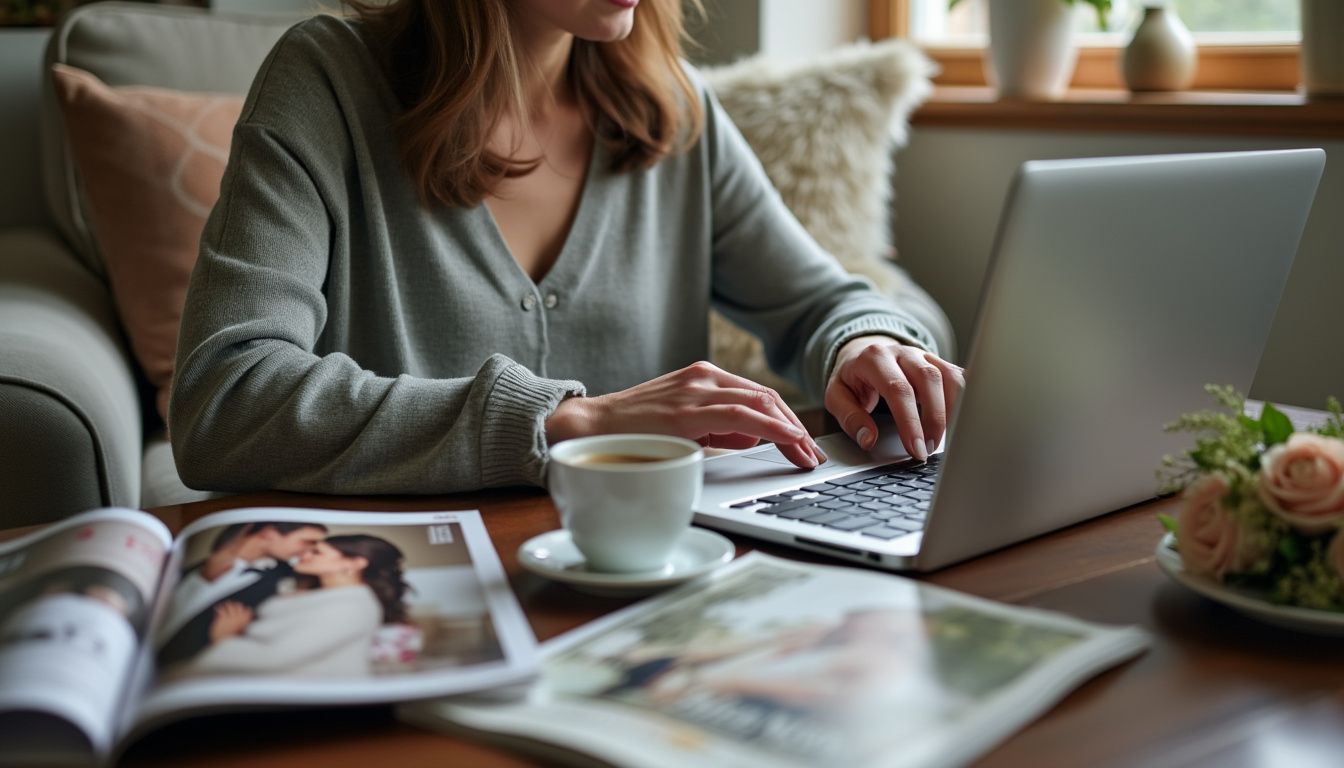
(739, 467)
(771, 455)
(840, 449)
(768, 462)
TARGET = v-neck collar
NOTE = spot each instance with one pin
(578, 228)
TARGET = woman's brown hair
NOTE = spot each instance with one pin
(453, 65)
(383, 573)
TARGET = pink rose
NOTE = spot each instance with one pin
(1211, 541)
(1302, 481)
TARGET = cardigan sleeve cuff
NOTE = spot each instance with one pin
(901, 327)
(513, 430)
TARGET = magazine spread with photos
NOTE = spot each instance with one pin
(771, 662)
(109, 626)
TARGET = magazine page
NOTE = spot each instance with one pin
(277, 607)
(75, 600)
(770, 662)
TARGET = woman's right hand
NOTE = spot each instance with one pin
(231, 618)
(700, 402)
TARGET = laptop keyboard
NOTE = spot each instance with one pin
(884, 502)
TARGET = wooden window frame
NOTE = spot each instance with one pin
(1221, 67)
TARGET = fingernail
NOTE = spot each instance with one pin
(919, 452)
(865, 438)
(932, 445)
(821, 455)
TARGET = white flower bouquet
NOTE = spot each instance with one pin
(1262, 503)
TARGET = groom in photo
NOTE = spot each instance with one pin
(246, 564)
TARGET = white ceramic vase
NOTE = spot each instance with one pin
(1032, 50)
(1323, 48)
(1161, 56)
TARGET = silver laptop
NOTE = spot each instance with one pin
(1118, 288)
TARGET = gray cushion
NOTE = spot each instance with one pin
(70, 415)
(141, 44)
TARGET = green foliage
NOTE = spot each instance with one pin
(1226, 439)
(1102, 7)
(1309, 580)
(1229, 441)
(1334, 423)
(1299, 574)
(1275, 426)
(1290, 549)
(1168, 522)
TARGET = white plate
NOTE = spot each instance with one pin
(554, 556)
(1289, 617)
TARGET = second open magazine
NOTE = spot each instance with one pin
(771, 662)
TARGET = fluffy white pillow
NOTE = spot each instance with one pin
(826, 130)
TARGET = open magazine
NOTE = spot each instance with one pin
(109, 626)
(771, 662)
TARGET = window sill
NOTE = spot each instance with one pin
(1263, 113)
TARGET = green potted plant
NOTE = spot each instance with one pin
(1031, 45)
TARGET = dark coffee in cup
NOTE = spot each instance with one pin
(597, 459)
(625, 499)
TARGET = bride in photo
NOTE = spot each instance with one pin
(349, 586)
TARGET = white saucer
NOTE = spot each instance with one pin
(1248, 603)
(554, 556)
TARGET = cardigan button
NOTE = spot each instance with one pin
(529, 302)
(552, 300)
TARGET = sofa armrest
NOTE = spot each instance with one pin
(70, 424)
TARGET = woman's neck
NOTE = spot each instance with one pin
(544, 51)
(330, 580)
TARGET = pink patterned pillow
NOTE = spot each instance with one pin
(150, 161)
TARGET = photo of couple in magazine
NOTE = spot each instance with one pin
(308, 600)
(112, 626)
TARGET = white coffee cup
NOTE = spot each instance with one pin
(626, 515)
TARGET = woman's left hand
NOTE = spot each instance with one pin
(919, 387)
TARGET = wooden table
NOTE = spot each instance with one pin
(1215, 689)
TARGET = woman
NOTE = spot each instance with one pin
(354, 585)
(454, 232)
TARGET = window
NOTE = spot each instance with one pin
(1244, 44)
(1212, 21)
